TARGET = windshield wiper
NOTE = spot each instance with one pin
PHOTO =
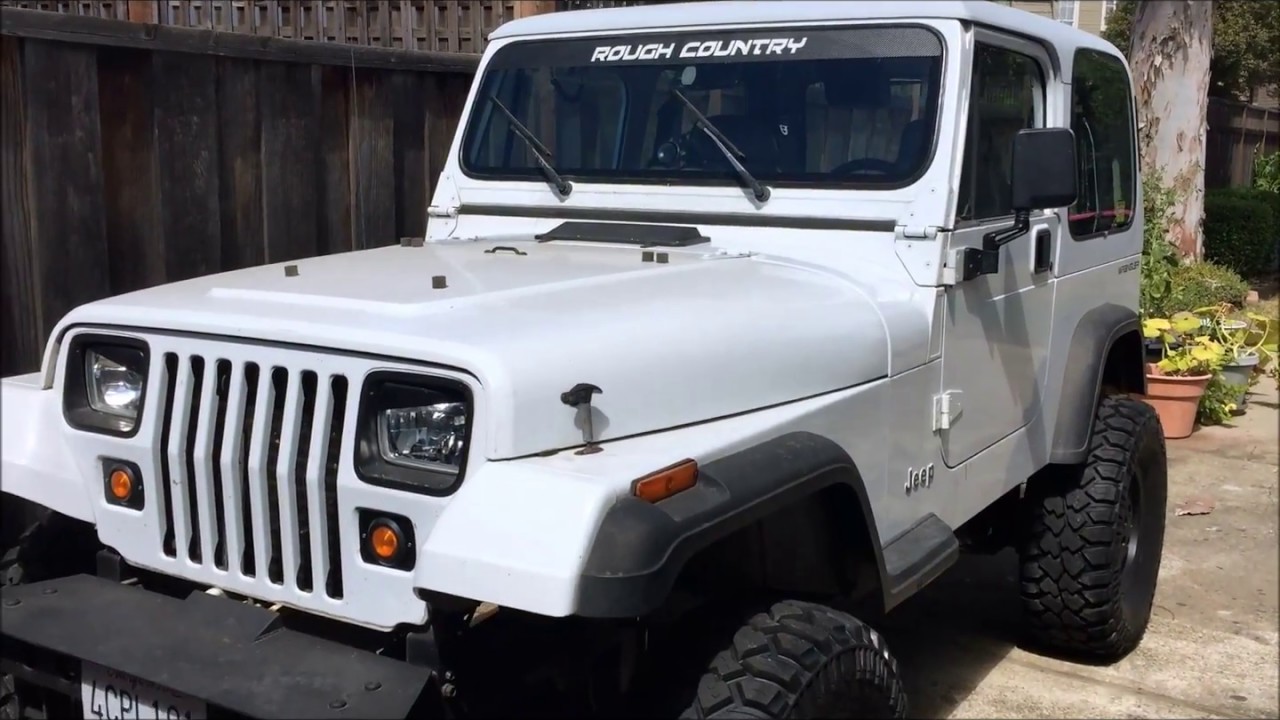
(731, 152)
(561, 186)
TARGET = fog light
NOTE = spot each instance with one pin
(122, 484)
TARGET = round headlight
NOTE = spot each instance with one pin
(114, 383)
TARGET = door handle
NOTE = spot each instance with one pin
(1043, 251)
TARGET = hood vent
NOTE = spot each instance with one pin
(641, 234)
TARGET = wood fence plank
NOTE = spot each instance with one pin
(444, 97)
(384, 23)
(131, 203)
(373, 164)
(289, 101)
(20, 333)
(408, 20)
(410, 153)
(64, 176)
(240, 156)
(335, 232)
(188, 163)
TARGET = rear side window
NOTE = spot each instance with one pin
(1102, 117)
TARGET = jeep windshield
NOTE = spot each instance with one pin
(825, 107)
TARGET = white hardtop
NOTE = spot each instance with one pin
(1064, 38)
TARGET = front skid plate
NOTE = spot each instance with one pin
(232, 655)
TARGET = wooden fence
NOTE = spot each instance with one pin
(431, 25)
(1237, 132)
(132, 155)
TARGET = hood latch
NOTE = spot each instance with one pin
(579, 396)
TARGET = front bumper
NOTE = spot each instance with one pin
(235, 657)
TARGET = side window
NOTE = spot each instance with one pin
(1007, 96)
(1102, 120)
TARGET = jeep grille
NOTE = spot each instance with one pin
(249, 462)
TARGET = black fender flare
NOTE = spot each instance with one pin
(1088, 353)
(641, 547)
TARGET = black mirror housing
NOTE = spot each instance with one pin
(1044, 169)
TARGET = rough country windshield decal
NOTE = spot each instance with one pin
(730, 46)
(823, 106)
(699, 49)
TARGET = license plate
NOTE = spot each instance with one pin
(110, 694)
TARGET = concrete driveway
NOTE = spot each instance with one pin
(1211, 650)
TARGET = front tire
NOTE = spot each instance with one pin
(801, 660)
(1091, 557)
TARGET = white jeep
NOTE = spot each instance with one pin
(727, 315)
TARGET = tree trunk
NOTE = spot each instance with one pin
(1170, 54)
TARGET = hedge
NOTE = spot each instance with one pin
(1242, 229)
(1199, 285)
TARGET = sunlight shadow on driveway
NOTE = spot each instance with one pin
(951, 635)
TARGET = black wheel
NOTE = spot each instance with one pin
(801, 660)
(1091, 558)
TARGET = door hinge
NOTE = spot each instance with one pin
(916, 232)
(946, 409)
(967, 263)
(436, 211)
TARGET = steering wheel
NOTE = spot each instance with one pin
(668, 154)
(693, 149)
(862, 165)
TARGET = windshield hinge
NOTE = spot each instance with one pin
(436, 211)
(916, 232)
(723, 254)
(946, 409)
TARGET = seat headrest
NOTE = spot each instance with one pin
(860, 84)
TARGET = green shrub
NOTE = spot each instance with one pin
(1159, 257)
(1266, 172)
(1219, 401)
(1199, 285)
(1264, 195)
(1240, 229)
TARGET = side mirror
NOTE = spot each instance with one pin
(1044, 176)
(1044, 169)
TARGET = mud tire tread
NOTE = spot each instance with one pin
(1072, 556)
(800, 659)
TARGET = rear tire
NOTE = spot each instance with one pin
(1091, 557)
(801, 660)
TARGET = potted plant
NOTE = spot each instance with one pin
(1188, 362)
(1242, 340)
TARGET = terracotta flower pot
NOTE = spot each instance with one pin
(1176, 400)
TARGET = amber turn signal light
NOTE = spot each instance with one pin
(386, 539)
(384, 542)
(666, 482)
(122, 484)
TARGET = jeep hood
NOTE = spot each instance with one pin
(701, 336)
